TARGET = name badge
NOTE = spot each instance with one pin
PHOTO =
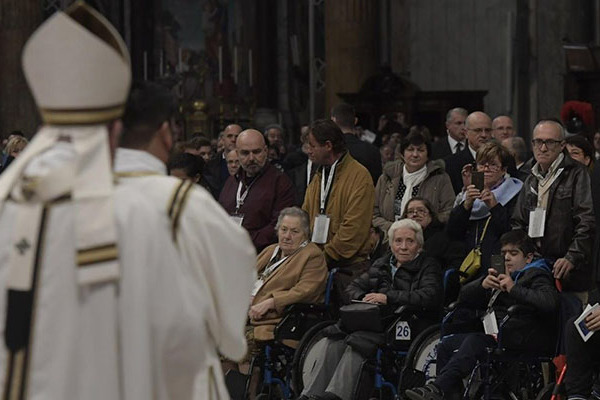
(490, 325)
(321, 229)
(537, 223)
(238, 218)
(257, 285)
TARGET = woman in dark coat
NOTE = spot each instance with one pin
(491, 207)
(402, 277)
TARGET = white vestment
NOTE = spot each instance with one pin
(219, 253)
(151, 333)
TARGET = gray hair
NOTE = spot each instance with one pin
(518, 147)
(410, 224)
(298, 213)
(457, 110)
(560, 126)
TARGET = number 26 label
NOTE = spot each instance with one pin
(402, 330)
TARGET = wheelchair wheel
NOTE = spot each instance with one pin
(420, 363)
(306, 355)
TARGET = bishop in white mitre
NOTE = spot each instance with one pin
(97, 300)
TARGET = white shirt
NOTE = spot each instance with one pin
(453, 142)
(473, 152)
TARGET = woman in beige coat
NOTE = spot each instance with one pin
(414, 176)
(291, 271)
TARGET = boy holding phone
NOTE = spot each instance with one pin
(528, 281)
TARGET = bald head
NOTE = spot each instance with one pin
(230, 134)
(252, 151)
(479, 129)
(503, 127)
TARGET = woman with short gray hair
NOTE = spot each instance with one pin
(404, 276)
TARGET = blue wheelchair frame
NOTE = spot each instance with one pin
(270, 378)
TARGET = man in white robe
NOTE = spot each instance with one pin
(217, 252)
(96, 301)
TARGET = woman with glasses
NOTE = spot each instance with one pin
(415, 175)
(438, 244)
(480, 217)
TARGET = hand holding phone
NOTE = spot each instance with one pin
(497, 262)
(477, 180)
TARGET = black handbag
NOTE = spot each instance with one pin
(361, 317)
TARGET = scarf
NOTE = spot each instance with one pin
(62, 161)
(410, 180)
(504, 192)
(544, 182)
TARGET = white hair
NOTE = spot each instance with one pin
(410, 224)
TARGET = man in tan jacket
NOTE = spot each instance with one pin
(339, 201)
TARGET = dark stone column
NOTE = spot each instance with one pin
(351, 33)
(18, 19)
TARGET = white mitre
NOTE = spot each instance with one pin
(78, 68)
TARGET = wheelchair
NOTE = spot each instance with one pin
(276, 356)
(406, 356)
(508, 374)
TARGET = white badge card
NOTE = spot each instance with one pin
(490, 325)
(238, 218)
(537, 223)
(321, 229)
(402, 330)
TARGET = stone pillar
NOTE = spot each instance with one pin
(18, 19)
(350, 46)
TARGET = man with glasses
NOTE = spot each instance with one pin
(555, 207)
(479, 131)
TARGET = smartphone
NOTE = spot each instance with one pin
(497, 263)
(477, 179)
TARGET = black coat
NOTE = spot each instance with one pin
(454, 166)
(417, 283)
(366, 154)
(570, 221)
(535, 288)
(449, 253)
(440, 149)
(460, 227)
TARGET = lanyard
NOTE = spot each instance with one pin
(308, 172)
(325, 188)
(241, 197)
(272, 267)
(493, 299)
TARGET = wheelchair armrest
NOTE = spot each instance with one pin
(519, 309)
(305, 308)
(452, 306)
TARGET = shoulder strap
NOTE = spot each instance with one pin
(487, 222)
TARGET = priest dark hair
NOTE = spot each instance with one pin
(149, 105)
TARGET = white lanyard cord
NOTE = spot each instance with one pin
(325, 188)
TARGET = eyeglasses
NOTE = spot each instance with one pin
(490, 166)
(551, 144)
(479, 131)
(417, 211)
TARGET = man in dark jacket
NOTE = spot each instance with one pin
(526, 282)
(366, 154)
(555, 207)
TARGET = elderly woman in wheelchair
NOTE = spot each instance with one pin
(402, 277)
(518, 308)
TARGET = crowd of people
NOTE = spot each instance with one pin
(154, 281)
